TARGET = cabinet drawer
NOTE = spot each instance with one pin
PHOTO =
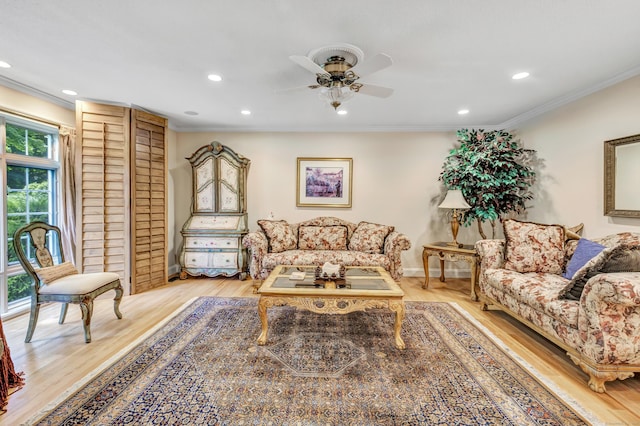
(225, 260)
(196, 259)
(211, 242)
(210, 260)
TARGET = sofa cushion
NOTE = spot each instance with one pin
(319, 257)
(596, 265)
(626, 239)
(369, 237)
(534, 297)
(51, 273)
(585, 251)
(279, 235)
(534, 247)
(80, 283)
(322, 237)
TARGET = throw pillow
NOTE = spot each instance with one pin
(369, 237)
(322, 238)
(585, 251)
(52, 273)
(533, 247)
(279, 235)
(574, 232)
(573, 290)
(624, 261)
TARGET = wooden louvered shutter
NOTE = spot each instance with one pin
(148, 202)
(104, 191)
(122, 220)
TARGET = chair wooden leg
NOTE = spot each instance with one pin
(33, 319)
(87, 310)
(116, 301)
(63, 313)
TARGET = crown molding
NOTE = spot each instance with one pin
(538, 111)
(20, 87)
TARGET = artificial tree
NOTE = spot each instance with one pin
(492, 170)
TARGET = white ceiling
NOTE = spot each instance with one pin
(447, 54)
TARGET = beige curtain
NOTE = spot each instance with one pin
(67, 222)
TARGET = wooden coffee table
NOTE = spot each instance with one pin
(364, 288)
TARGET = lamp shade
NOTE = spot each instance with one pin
(454, 200)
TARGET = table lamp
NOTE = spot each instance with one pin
(454, 201)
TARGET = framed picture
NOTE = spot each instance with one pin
(324, 182)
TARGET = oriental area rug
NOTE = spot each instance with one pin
(202, 366)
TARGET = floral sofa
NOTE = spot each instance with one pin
(324, 239)
(582, 295)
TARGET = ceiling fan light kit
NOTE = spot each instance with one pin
(337, 74)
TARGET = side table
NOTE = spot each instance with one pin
(466, 253)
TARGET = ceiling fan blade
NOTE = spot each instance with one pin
(373, 90)
(306, 63)
(373, 64)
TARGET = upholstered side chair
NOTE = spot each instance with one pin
(59, 281)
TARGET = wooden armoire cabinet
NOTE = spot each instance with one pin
(121, 215)
(212, 236)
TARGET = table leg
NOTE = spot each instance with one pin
(262, 311)
(474, 276)
(441, 269)
(425, 264)
(398, 308)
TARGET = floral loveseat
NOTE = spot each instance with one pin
(324, 239)
(592, 312)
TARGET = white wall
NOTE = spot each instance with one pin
(570, 142)
(395, 179)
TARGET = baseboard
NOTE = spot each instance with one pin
(174, 270)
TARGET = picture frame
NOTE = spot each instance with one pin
(324, 182)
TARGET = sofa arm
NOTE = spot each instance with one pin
(491, 254)
(393, 246)
(258, 246)
(609, 318)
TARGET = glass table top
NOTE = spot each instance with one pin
(302, 278)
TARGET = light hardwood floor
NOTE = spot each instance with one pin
(57, 357)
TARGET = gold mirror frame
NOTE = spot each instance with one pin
(610, 205)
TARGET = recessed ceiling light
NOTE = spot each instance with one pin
(463, 112)
(191, 112)
(520, 75)
(214, 77)
(245, 112)
(4, 64)
(342, 112)
(70, 92)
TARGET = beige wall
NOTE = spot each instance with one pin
(15, 101)
(395, 175)
(570, 142)
(395, 179)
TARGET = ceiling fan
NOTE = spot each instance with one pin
(338, 69)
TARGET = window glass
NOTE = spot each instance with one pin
(29, 196)
(24, 141)
(30, 193)
(19, 287)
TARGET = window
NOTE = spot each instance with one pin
(29, 164)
